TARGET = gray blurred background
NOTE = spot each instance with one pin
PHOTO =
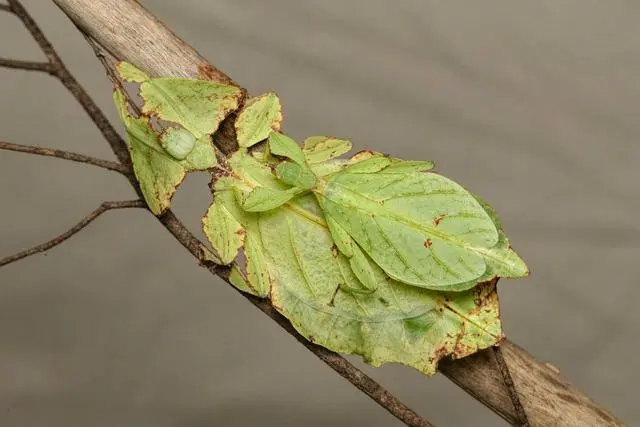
(533, 105)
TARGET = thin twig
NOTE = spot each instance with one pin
(109, 63)
(66, 155)
(6, 8)
(521, 415)
(18, 64)
(358, 378)
(104, 207)
(66, 78)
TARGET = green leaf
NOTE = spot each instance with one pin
(370, 165)
(318, 149)
(202, 157)
(296, 175)
(131, 73)
(234, 235)
(512, 266)
(157, 172)
(328, 167)
(263, 199)
(198, 105)
(282, 145)
(363, 269)
(240, 280)
(343, 241)
(252, 172)
(404, 166)
(358, 261)
(258, 118)
(257, 271)
(224, 232)
(420, 228)
(394, 323)
(177, 142)
(255, 186)
(349, 281)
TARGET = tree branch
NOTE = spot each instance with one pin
(59, 70)
(66, 155)
(17, 64)
(104, 207)
(521, 415)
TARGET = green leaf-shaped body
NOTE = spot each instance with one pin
(394, 323)
(234, 236)
(324, 281)
(198, 105)
(162, 157)
(178, 142)
(289, 254)
(319, 149)
(282, 145)
(420, 228)
(298, 176)
(157, 172)
(258, 118)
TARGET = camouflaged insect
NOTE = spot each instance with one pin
(369, 255)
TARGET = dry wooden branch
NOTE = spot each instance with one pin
(521, 419)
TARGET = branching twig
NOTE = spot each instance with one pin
(59, 70)
(17, 64)
(521, 415)
(104, 207)
(66, 155)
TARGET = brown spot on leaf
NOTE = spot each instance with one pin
(484, 293)
(437, 219)
(362, 152)
(439, 353)
(462, 350)
(334, 251)
(428, 243)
